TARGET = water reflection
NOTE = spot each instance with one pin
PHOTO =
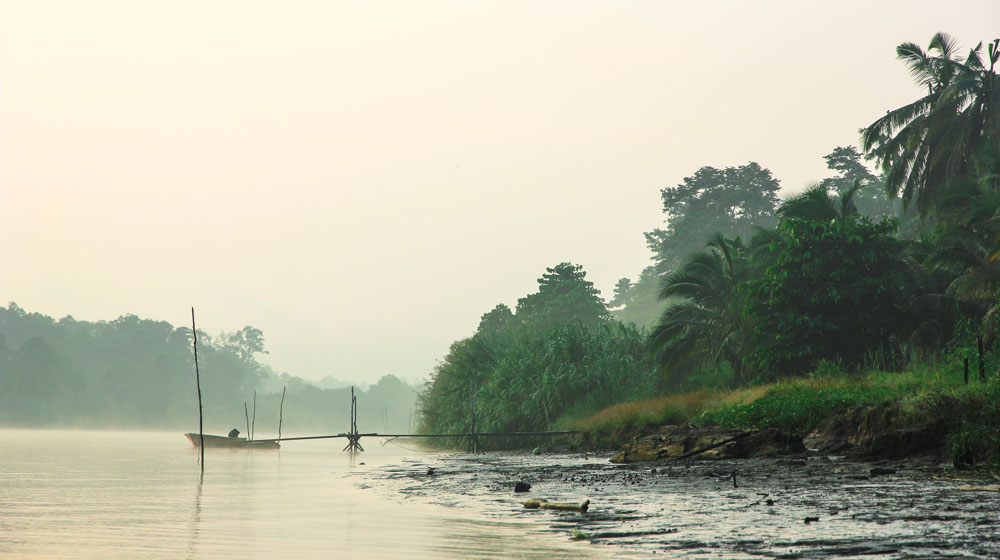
(137, 495)
(193, 546)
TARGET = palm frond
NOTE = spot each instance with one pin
(814, 203)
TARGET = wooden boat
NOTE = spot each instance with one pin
(233, 442)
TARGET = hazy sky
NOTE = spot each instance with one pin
(363, 180)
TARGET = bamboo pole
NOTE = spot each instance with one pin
(334, 436)
(247, 415)
(487, 434)
(354, 411)
(253, 425)
(472, 407)
(353, 437)
(281, 410)
(197, 380)
(465, 435)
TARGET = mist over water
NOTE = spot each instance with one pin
(76, 494)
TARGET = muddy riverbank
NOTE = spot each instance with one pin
(801, 506)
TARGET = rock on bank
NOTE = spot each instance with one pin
(671, 442)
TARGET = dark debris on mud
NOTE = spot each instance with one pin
(789, 507)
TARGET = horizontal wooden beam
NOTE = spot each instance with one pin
(477, 434)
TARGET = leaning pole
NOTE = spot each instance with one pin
(197, 381)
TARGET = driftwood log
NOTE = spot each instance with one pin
(538, 503)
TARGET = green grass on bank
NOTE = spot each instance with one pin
(970, 413)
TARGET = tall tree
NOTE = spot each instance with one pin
(871, 200)
(923, 147)
(246, 342)
(730, 201)
(622, 288)
(498, 319)
(564, 296)
(641, 305)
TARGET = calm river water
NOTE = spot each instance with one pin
(79, 494)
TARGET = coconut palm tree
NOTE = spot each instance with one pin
(926, 145)
(705, 325)
(817, 204)
(959, 262)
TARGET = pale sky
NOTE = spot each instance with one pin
(363, 180)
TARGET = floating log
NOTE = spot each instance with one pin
(539, 503)
(980, 489)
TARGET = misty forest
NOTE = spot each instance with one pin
(137, 373)
(877, 285)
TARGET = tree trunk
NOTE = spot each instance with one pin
(982, 362)
(737, 375)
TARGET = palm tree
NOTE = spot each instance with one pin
(817, 204)
(970, 247)
(926, 145)
(706, 325)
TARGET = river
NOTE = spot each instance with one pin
(88, 494)
(84, 494)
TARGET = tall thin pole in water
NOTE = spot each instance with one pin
(281, 411)
(197, 380)
(247, 414)
(473, 442)
(253, 424)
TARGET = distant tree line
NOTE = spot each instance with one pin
(863, 270)
(139, 373)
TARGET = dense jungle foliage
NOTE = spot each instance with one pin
(864, 271)
(138, 373)
(833, 284)
(522, 370)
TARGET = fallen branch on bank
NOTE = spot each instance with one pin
(538, 503)
(713, 446)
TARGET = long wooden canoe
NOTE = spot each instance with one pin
(235, 442)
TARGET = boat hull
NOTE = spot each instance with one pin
(236, 443)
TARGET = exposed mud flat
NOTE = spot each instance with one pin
(789, 507)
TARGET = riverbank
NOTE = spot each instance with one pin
(930, 411)
(803, 506)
